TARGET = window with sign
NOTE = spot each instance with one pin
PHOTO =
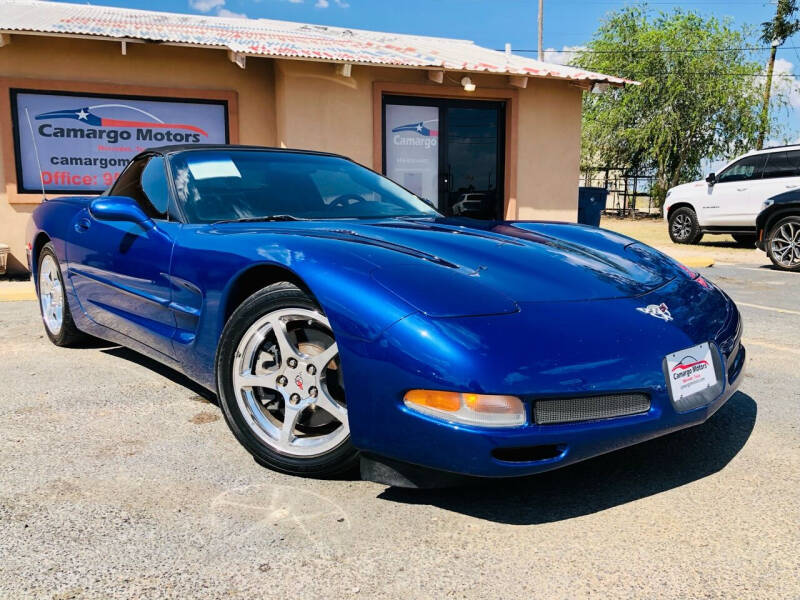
(80, 143)
(412, 148)
(449, 151)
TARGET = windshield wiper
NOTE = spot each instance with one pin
(262, 219)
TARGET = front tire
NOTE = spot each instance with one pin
(280, 384)
(683, 226)
(53, 304)
(783, 244)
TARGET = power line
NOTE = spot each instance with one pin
(710, 74)
(709, 2)
(661, 50)
(720, 3)
(713, 74)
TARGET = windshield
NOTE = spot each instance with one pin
(230, 185)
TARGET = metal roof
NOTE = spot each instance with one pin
(283, 39)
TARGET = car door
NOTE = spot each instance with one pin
(729, 199)
(781, 174)
(120, 270)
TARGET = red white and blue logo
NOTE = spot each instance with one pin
(419, 128)
(89, 116)
(690, 362)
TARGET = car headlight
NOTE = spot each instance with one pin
(669, 193)
(470, 409)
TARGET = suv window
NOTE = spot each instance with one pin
(750, 167)
(145, 180)
(783, 164)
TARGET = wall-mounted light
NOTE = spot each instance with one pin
(600, 88)
(468, 85)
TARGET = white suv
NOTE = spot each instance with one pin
(729, 202)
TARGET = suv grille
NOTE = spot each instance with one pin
(571, 410)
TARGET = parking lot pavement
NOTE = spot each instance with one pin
(118, 479)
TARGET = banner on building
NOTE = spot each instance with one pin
(412, 148)
(76, 143)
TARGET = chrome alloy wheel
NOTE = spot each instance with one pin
(51, 295)
(288, 384)
(786, 245)
(682, 227)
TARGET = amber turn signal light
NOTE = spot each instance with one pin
(471, 409)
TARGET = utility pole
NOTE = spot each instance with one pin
(541, 29)
(775, 33)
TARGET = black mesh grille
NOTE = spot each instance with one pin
(570, 410)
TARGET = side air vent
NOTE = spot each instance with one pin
(591, 408)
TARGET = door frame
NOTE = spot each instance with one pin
(443, 104)
(509, 96)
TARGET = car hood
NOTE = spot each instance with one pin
(459, 267)
(688, 187)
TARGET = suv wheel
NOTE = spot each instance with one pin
(783, 244)
(683, 226)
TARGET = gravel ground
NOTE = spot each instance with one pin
(118, 479)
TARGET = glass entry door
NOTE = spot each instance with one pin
(449, 152)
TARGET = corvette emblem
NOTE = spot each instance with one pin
(298, 382)
(659, 311)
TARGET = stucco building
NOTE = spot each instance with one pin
(83, 88)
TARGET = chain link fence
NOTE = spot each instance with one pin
(628, 193)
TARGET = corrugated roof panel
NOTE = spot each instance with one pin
(264, 37)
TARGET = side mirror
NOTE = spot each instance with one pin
(119, 208)
(711, 178)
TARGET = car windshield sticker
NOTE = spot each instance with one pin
(691, 371)
(659, 311)
(211, 168)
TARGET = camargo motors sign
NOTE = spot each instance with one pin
(80, 143)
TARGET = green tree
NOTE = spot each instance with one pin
(775, 33)
(699, 95)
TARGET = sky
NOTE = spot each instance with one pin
(490, 23)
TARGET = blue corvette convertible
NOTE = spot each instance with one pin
(339, 318)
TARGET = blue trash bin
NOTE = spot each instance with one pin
(591, 203)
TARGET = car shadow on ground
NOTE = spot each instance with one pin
(603, 482)
(724, 244)
(92, 343)
(157, 367)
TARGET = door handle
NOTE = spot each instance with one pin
(790, 187)
(82, 225)
(741, 189)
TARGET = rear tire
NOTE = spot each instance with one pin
(53, 304)
(783, 244)
(280, 385)
(683, 226)
(746, 240)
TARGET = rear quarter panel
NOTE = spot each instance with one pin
(53, 219)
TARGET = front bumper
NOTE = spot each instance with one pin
(469, 451)
(389, 429)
